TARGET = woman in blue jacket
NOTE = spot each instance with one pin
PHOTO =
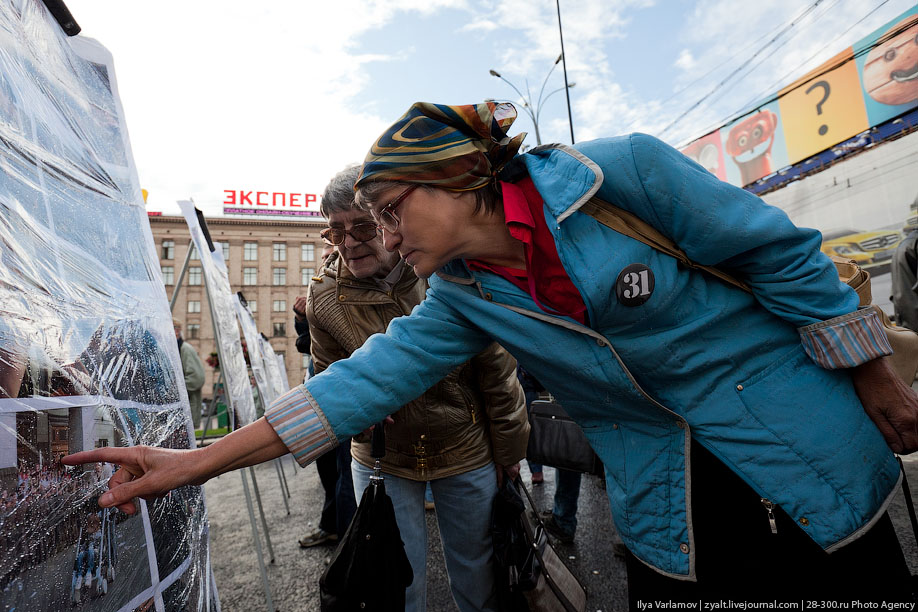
(740, 458)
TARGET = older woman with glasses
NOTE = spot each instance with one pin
(461, 435)
(735, 426)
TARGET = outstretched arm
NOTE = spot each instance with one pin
(150, 472)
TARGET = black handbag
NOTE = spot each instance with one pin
(556, 440)
(530, 576)
(370, 569)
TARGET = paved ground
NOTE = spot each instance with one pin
(294, 575)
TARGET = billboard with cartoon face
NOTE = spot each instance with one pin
(867, 84)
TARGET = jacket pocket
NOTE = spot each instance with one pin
(809, 444)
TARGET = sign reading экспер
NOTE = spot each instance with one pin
(284, 203)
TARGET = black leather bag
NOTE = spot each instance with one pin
(369, 570)
(530, 576)
(556, 440)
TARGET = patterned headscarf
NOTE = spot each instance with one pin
(459, 148)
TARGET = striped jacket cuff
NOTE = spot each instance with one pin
(297, 420)
(846, 341)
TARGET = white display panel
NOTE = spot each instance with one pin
(88, 357)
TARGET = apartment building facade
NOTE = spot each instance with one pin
(270, 261)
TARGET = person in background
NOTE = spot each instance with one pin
(334, 467)
(904, 271)
(459, 438)
(193, 369)
(531, 388)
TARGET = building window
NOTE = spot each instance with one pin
(194, 305)
(250, 276)
(195, 256)
(280, 305)
(250, 251)
(253, 306)
(305, 360)
(309, 252)
(280, 276)
(280, 251)
(193, 329)
(168, 275)
(168, 249)
(280, 329)
(194, 276)
(225, 247)
(282, 354)
(307, 274)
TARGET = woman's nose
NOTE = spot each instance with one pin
(391, 240)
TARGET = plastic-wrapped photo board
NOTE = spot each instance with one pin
(282, 366)
(88, 357)
(254, 343)
(223, 310)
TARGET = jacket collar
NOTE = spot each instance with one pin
(342, 275)
(565, 177)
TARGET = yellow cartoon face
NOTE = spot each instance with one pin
(891, 69)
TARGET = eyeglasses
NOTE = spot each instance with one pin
(388, 220)
(362, 232)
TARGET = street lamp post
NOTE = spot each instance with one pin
(535, 110)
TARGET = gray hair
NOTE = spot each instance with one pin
(339, 194)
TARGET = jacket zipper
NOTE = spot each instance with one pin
(770, 506)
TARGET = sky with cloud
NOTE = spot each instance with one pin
(279, 96)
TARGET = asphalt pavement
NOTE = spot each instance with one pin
(294, 575)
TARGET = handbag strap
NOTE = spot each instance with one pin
(562, 598)
(629, 224)
(908, 499)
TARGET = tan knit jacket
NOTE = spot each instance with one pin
(476, 414)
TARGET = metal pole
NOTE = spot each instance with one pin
(261, 561)
(261, 511)
(285, 492)
(181, 277)
(232, 416)
(567, 89)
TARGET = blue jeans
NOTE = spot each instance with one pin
(567, 492)
(464, 503)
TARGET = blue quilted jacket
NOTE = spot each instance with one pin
(698, 359)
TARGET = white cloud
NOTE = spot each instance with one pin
(685, 61)
(227, 95)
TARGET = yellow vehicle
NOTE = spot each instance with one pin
(866, 248)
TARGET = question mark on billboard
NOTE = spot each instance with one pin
(825, 96)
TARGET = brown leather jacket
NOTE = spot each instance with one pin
(476, 414)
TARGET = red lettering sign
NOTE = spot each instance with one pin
(234, 197)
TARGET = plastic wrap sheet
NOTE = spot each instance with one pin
(277, 373)
(88, 357)
(266, 388)
(223, 311)
(282, 367)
